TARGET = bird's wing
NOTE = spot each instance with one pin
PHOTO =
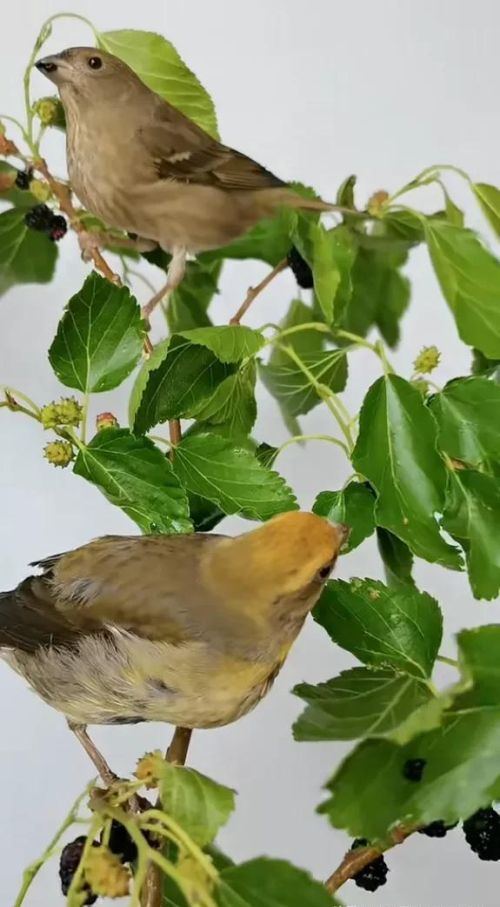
(136, 583)
(29, 619)
(181, 151)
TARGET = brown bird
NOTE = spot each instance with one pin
(188, 629)
(140, 165)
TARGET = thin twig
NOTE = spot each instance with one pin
(177, 753)
(356, 860)
(174, 430)
(151, 895)
(253, 292)
(179, 745)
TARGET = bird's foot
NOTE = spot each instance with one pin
(89, 243)
(107, 775)
(176, 271)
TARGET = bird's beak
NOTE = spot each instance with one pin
(53, 67)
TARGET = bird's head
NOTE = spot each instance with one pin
(87, 71)
(279, 568)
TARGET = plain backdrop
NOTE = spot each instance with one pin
(315, 91)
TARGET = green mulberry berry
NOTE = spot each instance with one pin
(427, 360)
(59, 453)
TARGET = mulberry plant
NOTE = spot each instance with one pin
(423, 462)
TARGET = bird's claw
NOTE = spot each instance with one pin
(89, 243)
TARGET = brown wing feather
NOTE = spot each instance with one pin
(181, 151)
(136, 583)
(28, 618)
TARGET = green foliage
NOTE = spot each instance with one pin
(467, 413)
(354, 506)
(134, 475)
(158, 64)
(421, 477)
(230, 343)
(231, 477)
(461, 757)
(187, 307)
(25, 256)
(472, 515)
(469, 276)
(99, 339)
(330, 254)
(380, 294)
(396, 557)
(199, 804)
(396, 451)
(358, 703)
(383, 627)
(176, 382)
(270, 883)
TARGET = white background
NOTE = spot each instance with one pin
(315, 91)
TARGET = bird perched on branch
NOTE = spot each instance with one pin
(143, 167)
(188, 629)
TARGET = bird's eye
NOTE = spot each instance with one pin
(324, 572)
(95, 62)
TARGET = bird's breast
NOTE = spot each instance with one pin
(131, 679)
(101, 173)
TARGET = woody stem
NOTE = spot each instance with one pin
(356, 860)
(253, 292)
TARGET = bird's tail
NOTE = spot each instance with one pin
(310, 204)
(291, 199)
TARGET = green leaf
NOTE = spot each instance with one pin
(292, 387)
(266, 454)
(479, 658)
(220, 859)
(188, 304)
(397, 559)
(270, 883)
(204, 515)
(469, 276)
(358, 703)
(305, 342)
(157, 63)
(268, 241)
(200, 806)
(308, 344)
(99, 338)
(396, 451)
(472, 516)
(400, 628)
(401, 230)
(175, 382)
(230, 343)
(26, 256)
(481, 365)
(134, 475)
(231, 477)
(233, 404)
(353, 505)
(330, 255)
(489, 199)
(454, 214)
(461, 758)
(380, 294)
(345, 192)
(467, 413)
